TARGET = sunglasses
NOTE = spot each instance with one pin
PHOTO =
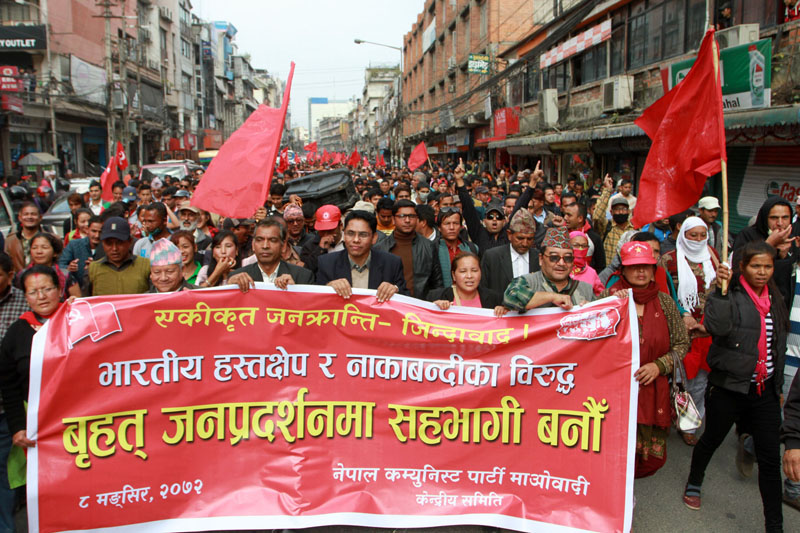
(555, 258)
(495, 216)
(448, 209)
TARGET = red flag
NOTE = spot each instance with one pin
(337, 158)
(238, 178)
(688, 133)
(108, 178)
(311, 147)
(324, 156)
(365, 162)
(380, 161)
(418, 157)
(283, 163)
(122, 159)
(354, 158)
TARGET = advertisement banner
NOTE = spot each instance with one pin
(745, 72)
(215, 409)
(10, 80)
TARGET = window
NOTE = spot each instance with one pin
(695, 23)
(516, 86)
(186, 49)
(484, 18)
(764, 13)
(617, 49)
(591, 65)
(531, 83)
(656, 31)
(555, 77)
(466, 34)
(453, 42)
(162, 36)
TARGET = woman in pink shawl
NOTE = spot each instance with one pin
(581, 271)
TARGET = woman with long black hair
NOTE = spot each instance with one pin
(748, 328)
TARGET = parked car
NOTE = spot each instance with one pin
(8, 219)
(180, 168)
(53, 219)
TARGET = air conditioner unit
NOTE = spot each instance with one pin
(618, 93)
(153, 64)
(451, 62)
(736, 35)
(165, 12)
(144, 34)
(548, 107)
(451, 88)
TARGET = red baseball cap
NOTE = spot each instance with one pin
(636, 253)
(328, 217)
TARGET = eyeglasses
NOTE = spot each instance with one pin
(555, 258)
(581, 246)
(495, 216)
(406, 217)
(296, 221)
(449, 209)
(41, 292)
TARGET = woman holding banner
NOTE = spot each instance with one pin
(466, 290)
(224, 260)
(748, 328)
(40, 284)
(662, 336)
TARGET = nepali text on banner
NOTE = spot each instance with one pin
(215, 409)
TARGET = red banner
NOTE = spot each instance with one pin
(216, 410)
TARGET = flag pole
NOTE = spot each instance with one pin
(724, 171)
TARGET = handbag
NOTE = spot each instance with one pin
(684, 411)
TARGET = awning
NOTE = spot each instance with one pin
(751, 118)
(38, 159)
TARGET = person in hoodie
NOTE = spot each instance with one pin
(774, 225)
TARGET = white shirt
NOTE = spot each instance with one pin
(519, 263)
(96, 208)
(269, 278)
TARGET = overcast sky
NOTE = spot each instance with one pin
(318, 36)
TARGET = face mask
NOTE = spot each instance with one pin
(423, 196)
(155, 232)
(620, 218)
(580, 257)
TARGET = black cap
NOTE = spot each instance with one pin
(116, 228)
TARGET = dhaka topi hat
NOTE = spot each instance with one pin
(557, 238)
(164, 253)
(522, 222)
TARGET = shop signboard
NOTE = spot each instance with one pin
(478, 64)
(745, 72)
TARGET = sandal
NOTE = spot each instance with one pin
(689, 438)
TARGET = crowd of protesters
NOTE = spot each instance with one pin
(461, 236)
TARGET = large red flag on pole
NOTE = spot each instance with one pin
(354, 158)
(688, 133)
(238, 178)
(109, 177)
(418, 157)
(311, 147)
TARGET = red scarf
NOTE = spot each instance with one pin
(654, 341)
(34, 320)
(579, 265)
(762, 304)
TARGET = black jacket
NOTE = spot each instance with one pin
(15, 364)
(477, 231)
(300, 275)
(497, 272)
(427, 270)
(790, 431)
(759, 231)
(735, 327)
(383, 267)
(489, 298)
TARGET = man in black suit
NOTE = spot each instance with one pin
(502, 264)
(268, 241)
(359, 265)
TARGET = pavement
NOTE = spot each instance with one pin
(731, 503)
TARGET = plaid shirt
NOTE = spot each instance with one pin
(611, 240)
(522, 289)
(12, 305)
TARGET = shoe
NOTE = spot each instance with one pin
(791, 502)
(689, 438)
(744, 459)
(692, 502)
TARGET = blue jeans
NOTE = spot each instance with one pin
(7, 496)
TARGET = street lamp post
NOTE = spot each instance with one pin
(400, 85)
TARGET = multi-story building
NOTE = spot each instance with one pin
(575, 103)
(321, 107)
(443, 94)
(243, 87)
(333, 133)
(378, 82)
